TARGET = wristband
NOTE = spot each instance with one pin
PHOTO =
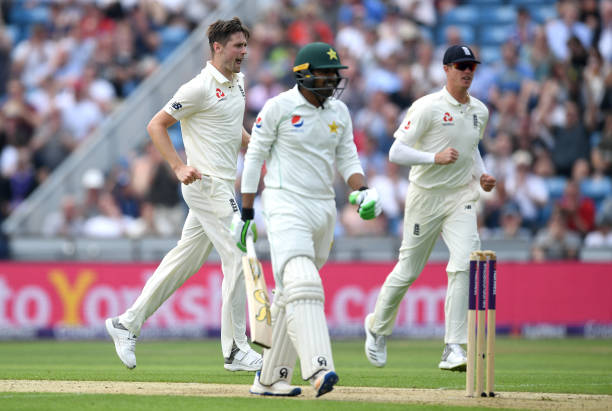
(247, 214)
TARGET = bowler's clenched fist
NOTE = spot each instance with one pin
(187, 174)
(487, 182)
(447, 156)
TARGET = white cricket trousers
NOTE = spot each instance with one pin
(300, 232)
(429, 213)
(211, 207)
(297, 226)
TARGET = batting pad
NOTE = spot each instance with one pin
(306, 322)
(278, 361)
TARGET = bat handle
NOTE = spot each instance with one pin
(250, 246)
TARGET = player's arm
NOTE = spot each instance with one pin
(413, 127)
(263, 136)
(404, 155)
(158, 130)
(349, 166)
(487, 181)
(259, 144)
(246, 137)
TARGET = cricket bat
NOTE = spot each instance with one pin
(260, 317)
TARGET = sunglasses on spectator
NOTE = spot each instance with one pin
(461, 66)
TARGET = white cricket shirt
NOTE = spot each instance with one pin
(211, 108)
(301, 144)
(435, 122)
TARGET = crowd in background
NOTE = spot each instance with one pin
(548, 86)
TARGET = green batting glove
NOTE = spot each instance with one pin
(239, 230)
(368, 201)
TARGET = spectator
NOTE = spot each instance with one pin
(559, 31)
(538, 55)
(20, 116)
(484, 81)
(511, 72)
(370, 118)
(65, 222)
(605, 37)
(392, 188)
(110, 223)
(51, 144)
(163, 195)
(93, 183)
(266, 88)
(309, 27)
(5, 58)
(571, 141)
(35, 58)
(73, 51)
(372, 159)
(23, 180)
(602, 235)
(598, 185)
(511, 225)
(525, 30)
(498, 161)
(556, 241)
(82, 116)
(527, 189)
(403, 97)
(578, 211)
(428, 76)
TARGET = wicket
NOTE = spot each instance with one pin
(476, 332)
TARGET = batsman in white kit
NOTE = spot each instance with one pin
(303, 135)
(210, 109)
(439, 138)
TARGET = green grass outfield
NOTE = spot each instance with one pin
(577, 366)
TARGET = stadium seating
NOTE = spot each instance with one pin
(495, 34)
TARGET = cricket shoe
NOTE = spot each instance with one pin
(375, 345)
(324, 382)
(243, 361)
(279, 389)
(453, 358)
(125, 342)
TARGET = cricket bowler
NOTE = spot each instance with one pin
(210, 108)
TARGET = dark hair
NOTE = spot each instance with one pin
(221, 30)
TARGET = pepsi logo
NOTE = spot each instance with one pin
(297, 121)
(258, 122)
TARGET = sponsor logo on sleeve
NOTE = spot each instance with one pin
(407, 126)
(176, 105)
(258, 122)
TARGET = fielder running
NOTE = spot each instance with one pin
(439, 138)
(301, 134)
(210, 109)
